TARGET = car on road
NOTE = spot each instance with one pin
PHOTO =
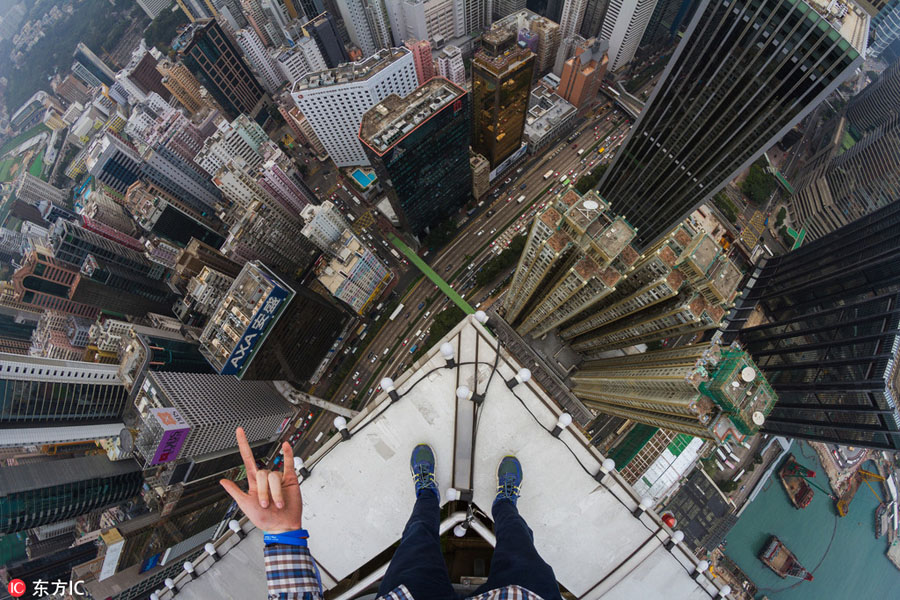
(421, 305)
(404, 342)
(523, 186)
(295, 438)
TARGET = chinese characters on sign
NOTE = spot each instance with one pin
(256, 331)
(43, 589)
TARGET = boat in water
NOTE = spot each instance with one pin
(792, 478)
(880, 520)
(777, 557)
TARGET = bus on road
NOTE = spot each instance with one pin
(564, 178)
(548, 174)
(396, 312)
(580, 151)
(520, 199)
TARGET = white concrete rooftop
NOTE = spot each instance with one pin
(359, 493)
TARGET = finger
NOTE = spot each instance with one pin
(275, 489)
(247, 455)
(262, 487)
(236, 493)
(290, 475)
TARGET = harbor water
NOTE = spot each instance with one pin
(843, 554)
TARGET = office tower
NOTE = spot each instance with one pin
(43, 282)
(160, 213)
(624, 26)
(72, 243)
(334, 101)
(885, 25)
(323, 30)
(197, 255)
(92, 63)
(188, 415)
(73, 90)
(548, 33)
(704, 390)
(592, 21)
(259, 58)
(666, 19)
(154, 8)
(550, 116)
(504, 8)
(198, 10)
(324, 225)
(41, 396)
(553, 263)
(48, 492)
(420, 144)
(421, 51)
(101, 207)
(437, 20)
(828, 342)
(113, 161)
(33, 190)
(302, 58)
(569, 25)
(142, 72)
(182, 84)
(583, 73)
(475, 15)
(852, 184)
(241, 138)
(259, 21)
(85, 76)
(713, 121)
(304, 131)
(180, 178)
(877, 102)
(203, 293)
(379, 24)
(290, 192)
(262, 320)
(354, 274)
(501, 84)
(450, 66)
(215, 61)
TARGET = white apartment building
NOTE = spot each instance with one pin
(450, 65)
(569, 25)
(256, 53)
(324, 225)
(624, 27)
(302, 59)
(238, 183)
(353, 13)
(433, 19)
(242, 138)
(335, 100)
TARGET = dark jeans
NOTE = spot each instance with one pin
(419, 565)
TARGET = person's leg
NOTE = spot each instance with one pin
(516, 561)
(418, 562)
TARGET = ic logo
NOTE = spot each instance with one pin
(16, 588)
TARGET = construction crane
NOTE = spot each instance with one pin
(798, 470)
(843, 504)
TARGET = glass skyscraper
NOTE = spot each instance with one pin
(421, 145)
(744, 74)
(830, 344)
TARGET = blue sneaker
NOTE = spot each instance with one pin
(509, 479)
(421, 463)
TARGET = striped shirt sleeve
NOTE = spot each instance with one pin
(291, 573)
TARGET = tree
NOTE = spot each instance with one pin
(590, 181)
(758, 185)
(726, 207)
(503, 261)
(163, 28)
(779, 218)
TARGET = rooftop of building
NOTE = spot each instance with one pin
(848, 19)
(352, 71)
(586, 519)
(548, 109)
(394, 118)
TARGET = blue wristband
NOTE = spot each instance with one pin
(297, 537)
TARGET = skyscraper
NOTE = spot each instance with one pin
(323, 30)
(217, 63)
(569, 25)
(260, 59)
(701, 389)
(501, 84)
(92, 63)
(829, 342)
(582, 74)
(428, 165)
(594, 12)
(877, 102)
(718, 108)
(421, 51)
(48, 492)
(885, 28)
(624, 26)
(450, 65)
(182, 84)
(334, 101)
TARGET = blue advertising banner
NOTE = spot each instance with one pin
(254, 334)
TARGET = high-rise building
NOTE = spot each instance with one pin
(33, 190)
(183, 85)
(324, 225)
(261, 320)
(665, 21)
(114, 162)
(702, 389)
(73, 90)
(885, 25)
(540, 34)
(302, 58)
(324, 31)
(334, 101)
(85, 76)
(434, 20)
(197, 255)
(421, 51)
(704, 124)
(877, 102)
(450, 66)
(154, 8)
(476, 15)
(44, 394)
(242, 139)
(569, 25)
(354, 13)
(291, 192)
(303, 130)
(852, 184)
(550, 116)
(592, 21)
(624, 26)
(72, 244)
(217, 63)
(501, 84)
(504, 8)
(259, 58)
(42, 282)
(92, 63)
(829, 341)
(141, 71)
(180, 178)
(428, 166)
(188, 415)
(583, 73)
(48, 492)
(259, 22)
(160, 213)
(354, 274)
